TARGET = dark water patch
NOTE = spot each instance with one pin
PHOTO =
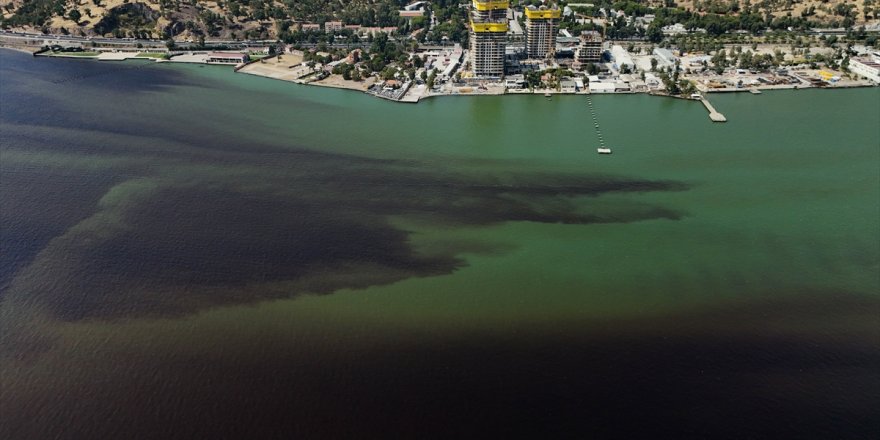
(172, 246)
(686, 375)
(31, 201)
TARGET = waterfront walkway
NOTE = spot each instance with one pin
(713, 114)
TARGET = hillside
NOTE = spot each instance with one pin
(242, 19)
(264, 19)
(827, 11)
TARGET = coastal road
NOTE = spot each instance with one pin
(124, 42)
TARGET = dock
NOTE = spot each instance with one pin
(713, 114)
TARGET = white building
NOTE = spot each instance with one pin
(674, 29)
(865, 67)
(602, 87)
(567, 86)
(415, 6)
(332, 26)
(665, 57)
(227, 58)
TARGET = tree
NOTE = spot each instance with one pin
(654, 33)
(671, 84)
(170, 44)
(653, 64)
(74, 15)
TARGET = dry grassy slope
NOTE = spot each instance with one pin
(824, 9)
(91, 14)
(233, 25)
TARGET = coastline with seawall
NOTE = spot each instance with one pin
(290, 67)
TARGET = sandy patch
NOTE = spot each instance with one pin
(339, 82)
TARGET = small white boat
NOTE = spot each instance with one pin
(547, 95)
(603, 150)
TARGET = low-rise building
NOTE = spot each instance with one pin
(332, 26)
(227, 58)
(375, 30)
(416, 5)
(601, 87)
(665, 57)
(515, 82)
(674, 29)
(652, 81)
(865, 67)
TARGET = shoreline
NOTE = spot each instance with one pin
(363, 87)
(17, 49)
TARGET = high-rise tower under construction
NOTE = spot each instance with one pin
(542, 24)
(488, 37)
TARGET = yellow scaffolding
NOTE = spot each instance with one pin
(489, 27)
(489, 5)
(543, 13)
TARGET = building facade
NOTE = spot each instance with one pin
(227, 58)
(589, 48)
(866, 67)
(542, 25)
(332, 26)
(488, 37)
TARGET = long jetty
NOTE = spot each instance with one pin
(713, 114)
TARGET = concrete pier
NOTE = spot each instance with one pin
(713, 114)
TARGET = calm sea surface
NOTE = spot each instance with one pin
(192, 253)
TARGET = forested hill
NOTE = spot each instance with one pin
(269, 19)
